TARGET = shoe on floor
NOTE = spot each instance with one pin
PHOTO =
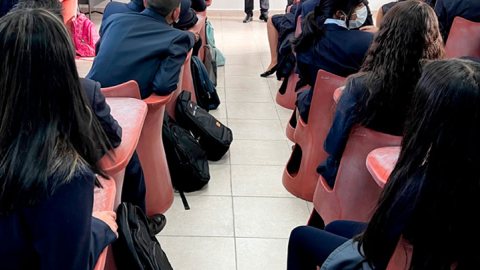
(156, 223)
(248, 19)
(263, 17)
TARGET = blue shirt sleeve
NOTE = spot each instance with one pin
(167, 76)
(345, 118)
(63, 231)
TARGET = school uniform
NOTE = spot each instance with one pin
(340, 51)
(447, 10)
(6, 6)
(310, 5)
(134, 188)
(117, 7)
(58, 232)
(141, 47)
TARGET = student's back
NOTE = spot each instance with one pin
(118, 7)
(141, 47)
(447, 10)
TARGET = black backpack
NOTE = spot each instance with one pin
(186, 159)
(137, 248)
(205, 91)
(213, 136)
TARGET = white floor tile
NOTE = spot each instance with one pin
(255, 111)
(256, 129)
(208, 216)
(261, 95)
(245, 82)
(268, 217)
(250, 152)
(219, 184)
(261, 254)
(199, 253)
(264, 181)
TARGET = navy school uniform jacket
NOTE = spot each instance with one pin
(117, 7)
(56, 233)
(101, 110)
(141, 47)
(310, 5)
(339, 51)
(447, 10)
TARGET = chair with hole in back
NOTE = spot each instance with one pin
(187, 79)
(355, 193)
(150, 150)
(300, 176)
(287, 96)
(464, 39)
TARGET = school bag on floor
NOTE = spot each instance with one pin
(220, 59)
(213, 136)
(85, 36)
(137, 248)
(205, 91)
(187, 161)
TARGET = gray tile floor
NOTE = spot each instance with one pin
(243, 218)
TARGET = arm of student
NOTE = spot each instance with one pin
(62, 229)
(167, 75)
(102, 111)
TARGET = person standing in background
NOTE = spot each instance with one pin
(264, 5)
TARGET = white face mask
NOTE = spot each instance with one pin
(362, 15)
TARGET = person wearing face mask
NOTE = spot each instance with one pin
(328, 42)
(143, 47)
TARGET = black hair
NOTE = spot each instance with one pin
(433, 194)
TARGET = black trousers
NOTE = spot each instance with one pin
(309, 247)
(134, 189)
(264, 5)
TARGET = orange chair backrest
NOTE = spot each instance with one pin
(127, 89)
(464, 39)
(298, 29)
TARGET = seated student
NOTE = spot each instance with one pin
(188, 19)
(310, 5)
(447, 10)
(377, 97)
(119, 7)
(49, 148)
(426, 204)
(327, 43)
(143, 47)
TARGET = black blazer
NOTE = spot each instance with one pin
(102, 111)
(340, 51)
(447, 10)
(117, 7)
(141, 47)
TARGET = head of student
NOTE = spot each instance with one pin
(432, 196)
(352, 12)
(408, 34)
(47, 126)
(170, 9)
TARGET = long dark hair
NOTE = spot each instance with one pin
(433, 195)
(47, 125)
(312, 26)
(408, 33)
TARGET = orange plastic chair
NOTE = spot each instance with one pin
(464, 39)
(187, 79)
(104, 199)
(287, 99)
(199, 27)
(381, 162)
(69, 12)
(170, 107)
(355, 193)
(150, 150)
(209, 2)
(300, 175)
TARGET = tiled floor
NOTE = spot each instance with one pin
(243, 218)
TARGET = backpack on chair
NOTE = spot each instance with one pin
(85, 36)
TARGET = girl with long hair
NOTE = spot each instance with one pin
(378, 96)
(426, 210)
(50, 142)
(328, 42)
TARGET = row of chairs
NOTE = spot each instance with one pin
(141, 122)
(358, 184)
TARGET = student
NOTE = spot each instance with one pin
(378, 96)
(447, 10)
(431, 197)
(119, 7)
(188, 17)
(49, 148)
(143, 47)
(327, 43)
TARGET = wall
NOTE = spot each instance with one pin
(274, 4)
